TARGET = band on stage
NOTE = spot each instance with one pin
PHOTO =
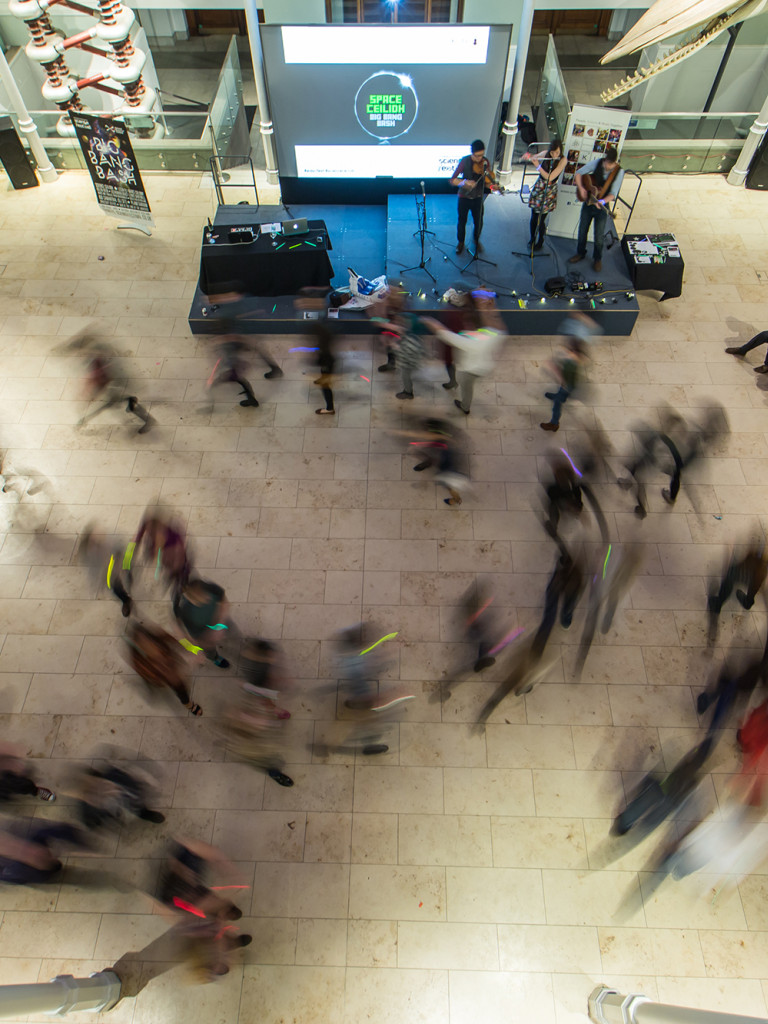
(597, 185)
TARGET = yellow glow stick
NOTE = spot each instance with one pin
(389, 636)
(109, 572)
(190, 647)
(128, 556)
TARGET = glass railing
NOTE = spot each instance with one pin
(555, 107)
(184, 143)
(691, 143)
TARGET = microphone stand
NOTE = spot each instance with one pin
(475, 258)
(530, 254)
(421, 215)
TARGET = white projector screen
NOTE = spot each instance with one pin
(368, 101)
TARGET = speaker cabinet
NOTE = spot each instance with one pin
(14, 157)
(757, 175)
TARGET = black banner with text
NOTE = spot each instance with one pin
(112, 165)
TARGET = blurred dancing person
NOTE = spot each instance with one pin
(155, 656)
(16, 777)
(204, 917)
(109, 562)
(660, 795)
(253, 724)
(105, 380)
(749, 570)
(475, 346)
(202, 609)
(162, 540)
(568, 368)
(565, 495)
(234, 303)
(31, 859)
(324, 337)
(436, 443)
(106, 795)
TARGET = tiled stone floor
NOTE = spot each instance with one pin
(464, 875)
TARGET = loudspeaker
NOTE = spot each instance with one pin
(757, 175)
(14, 157)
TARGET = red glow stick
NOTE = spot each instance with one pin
(182, 905)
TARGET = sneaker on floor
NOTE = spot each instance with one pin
(244, 940)
(550, 395)
(154, 816)
(479, 247)
(733, 350)
(553, 427)
(459, 248)
(597, 265)
(404, 394)
(280, 778)
(666, 495)
(145, 428)
(45, 794)
(127, 606)
(253, 402)
(762, 368)
(375, 748)
(421, 466)
(576, 259)
(458, 405)
(325, 412)
(450, 385)
(220, 662)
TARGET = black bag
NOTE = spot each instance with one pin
(555, 286)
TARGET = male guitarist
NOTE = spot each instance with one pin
(597, 184)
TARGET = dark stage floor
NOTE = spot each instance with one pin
(377, 239)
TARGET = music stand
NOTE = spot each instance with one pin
(421, 214)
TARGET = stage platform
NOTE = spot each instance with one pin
(384, 239)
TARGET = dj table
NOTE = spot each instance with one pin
(265, 266)
(654, 263)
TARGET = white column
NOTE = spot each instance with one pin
(27, 126)
(606, 1006)
(99, 992)
(509, 129)
(738, 172)
(265, 121)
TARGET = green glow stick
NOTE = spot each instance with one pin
(605, 563)
(109, 572)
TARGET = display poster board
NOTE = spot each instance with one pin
(112, 165)
(589, 133)
(382, 101)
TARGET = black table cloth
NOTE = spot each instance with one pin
(666, 277)
(266, 266)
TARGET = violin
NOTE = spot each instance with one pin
(482, 169)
